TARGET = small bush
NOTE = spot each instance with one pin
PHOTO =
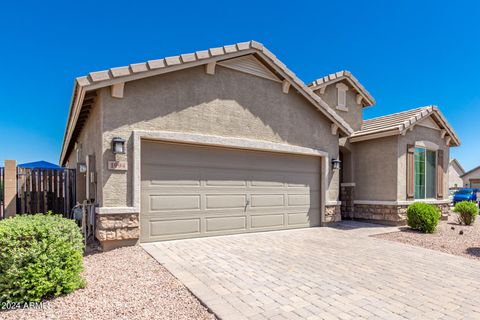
(423, 217)
(40, 256)
(467, 211)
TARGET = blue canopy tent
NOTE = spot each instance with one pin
(39, 165)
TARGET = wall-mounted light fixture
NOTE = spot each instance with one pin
(118, 145)
(336, 164)
(82, 167)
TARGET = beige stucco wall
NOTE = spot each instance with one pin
(229, 103)
(89, 142)
(474, 175)
(354, 114)
(375, 169)
(454, 173)
(348, 161)
(418, 134)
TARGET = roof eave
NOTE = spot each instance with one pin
(470, 171)
(451, 132)
(458, 165)
(100, 79)
(387, 132)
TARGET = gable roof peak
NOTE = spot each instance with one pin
(346, 75)
(400, 122)
(455, 161)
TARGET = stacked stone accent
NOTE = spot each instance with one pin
(332, 213)
(445, 209)
(347, 195)
(117, 227)
(390, 214)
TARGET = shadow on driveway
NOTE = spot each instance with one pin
(473, 251)
(365, 228)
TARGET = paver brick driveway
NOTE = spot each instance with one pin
(322, 273)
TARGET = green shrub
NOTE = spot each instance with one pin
(467, 211)
(423, 217)
(40, 256)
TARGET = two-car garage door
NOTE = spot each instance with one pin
(192, 191)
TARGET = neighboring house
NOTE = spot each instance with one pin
(471, 179)
(229, 140)
(455, 171)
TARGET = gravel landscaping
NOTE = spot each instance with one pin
(447, 238)
(124, 283)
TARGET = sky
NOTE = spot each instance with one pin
(406, 53)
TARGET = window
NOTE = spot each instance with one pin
(342, 96)
(425, 173)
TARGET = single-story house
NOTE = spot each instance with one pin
(471, 178)
(229, 140)
(455, 171)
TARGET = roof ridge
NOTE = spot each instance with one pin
(149, 65)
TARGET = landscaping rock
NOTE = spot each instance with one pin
(125, 283)
(443, 239)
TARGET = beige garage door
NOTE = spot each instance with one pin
(192, 191)
(475, 183)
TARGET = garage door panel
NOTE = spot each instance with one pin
(267, 221)
(297, 218)
(174, 202)
(299, 199)
(172, 176)
(174, 227)
(192, 191)
(267, 200)
(226, 201)
(226, 223)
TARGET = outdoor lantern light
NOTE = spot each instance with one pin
(336, 164)
(118, 145)
(82, 167)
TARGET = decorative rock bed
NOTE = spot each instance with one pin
(450, 237)
(125, 283)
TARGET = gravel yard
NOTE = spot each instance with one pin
(444, 239)
(124, 283)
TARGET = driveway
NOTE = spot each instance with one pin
(322, 273)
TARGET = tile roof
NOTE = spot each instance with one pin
(99, 79)
(340, 75)
(399, 122)
(394, 120)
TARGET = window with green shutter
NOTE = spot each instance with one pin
(425, 177)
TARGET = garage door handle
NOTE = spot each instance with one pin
(246, 204)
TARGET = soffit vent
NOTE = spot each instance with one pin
(250, 64)
(429, 123)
